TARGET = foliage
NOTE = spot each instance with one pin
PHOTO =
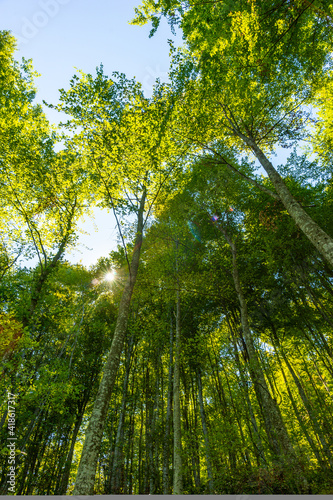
(225, 271)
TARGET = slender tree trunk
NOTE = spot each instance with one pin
(148, 440)
(177, 448)
(47, 269)
(32, 457)
(112, 438)
(316, 338)
(277, 434)
(306, 402)
(259, 449)
(189, 450)
(140, 466)
(325, 408)
(206, 437)
(131, 452)
(84, 484)
(322, 379)
(65, 476)
(196, 444)
(300, 420)
(131, 432)
(166, 444)
(118, 450)
(154, 455)
(321, 240)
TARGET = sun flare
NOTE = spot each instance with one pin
(110, 276)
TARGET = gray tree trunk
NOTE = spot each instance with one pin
(300, 419)
(279, 442)
(166, 444)
(65, 477)
(85, 478)
(118, 451)
(206, 437)
(177, 446)
(321, 240)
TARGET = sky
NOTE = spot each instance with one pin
(61, 35)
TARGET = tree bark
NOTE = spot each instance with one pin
(166, 444)
(280, 444)
(177, 448)
(306, 402)
(118, 451)
(321, 240)
(84, 484)
(206, 437)
(65, 476)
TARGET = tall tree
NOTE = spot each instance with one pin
(258, 54)
(129, 152)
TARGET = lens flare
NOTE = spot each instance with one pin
(194, 230)
(110, 276)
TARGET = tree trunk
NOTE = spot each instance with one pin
(321, 240)
(46, 270)
(306, 402)
(177, 445)
(206, 437)
(259, 449)
(195, 442)
(154, 449)
(300, 420)
(280, 444)
(65, 477)
(187, 431)
(84, 484)
(140, 465)
(166, 444)
(148, 437)
(118, 451)
(131, 432)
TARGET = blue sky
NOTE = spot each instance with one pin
(61, 35)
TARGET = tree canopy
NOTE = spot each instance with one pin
(197, 358)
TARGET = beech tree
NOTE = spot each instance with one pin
(197, 358)
(254, 54)
(127, 149)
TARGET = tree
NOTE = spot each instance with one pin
(256, 54)
(197, 358)
(127, 145)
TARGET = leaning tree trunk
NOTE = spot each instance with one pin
(299, 417)
(85, 478)
(279, 441)
(321, 240)
(307, 404)
(46, 270)
(177, 446)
